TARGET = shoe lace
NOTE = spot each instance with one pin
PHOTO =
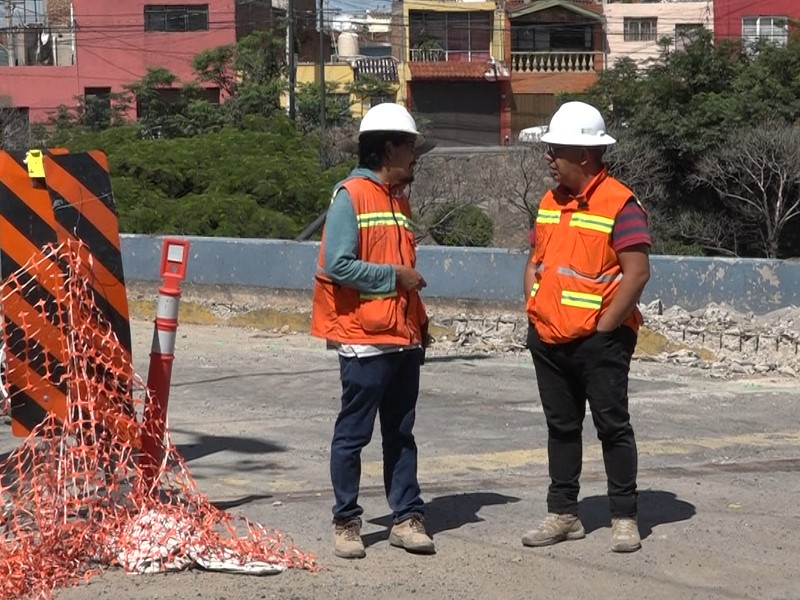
(417, 525)
(625, 527)
(350, 531)
(551, 523)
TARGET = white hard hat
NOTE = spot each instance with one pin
(577, 124)
(390, 117)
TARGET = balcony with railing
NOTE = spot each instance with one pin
(441, 55)
(587, 61)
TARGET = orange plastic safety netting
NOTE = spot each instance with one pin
(73, 497)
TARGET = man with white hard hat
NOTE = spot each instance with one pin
(367, 305)
(587, 269)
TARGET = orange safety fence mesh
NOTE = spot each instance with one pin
(72, 496)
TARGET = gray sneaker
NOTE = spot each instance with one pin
(625, 535)
(347, 541)
(553, 529)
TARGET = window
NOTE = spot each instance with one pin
(462, 36)
(684, 33)
(765, 29)
(176, 17)
(640, 30)
(545, 38)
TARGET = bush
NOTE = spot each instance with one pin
(461, 225)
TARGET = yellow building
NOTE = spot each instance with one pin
(344, 73)
(452, 69)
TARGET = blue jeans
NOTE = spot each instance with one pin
(388, 385)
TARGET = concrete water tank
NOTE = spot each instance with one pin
(347, 44)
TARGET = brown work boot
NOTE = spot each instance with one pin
(555, 528)
(347, 541)
(411, 535)
(625, 535)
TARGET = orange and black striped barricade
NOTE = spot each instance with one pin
(51, 198)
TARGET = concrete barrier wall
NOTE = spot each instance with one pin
(471, 273)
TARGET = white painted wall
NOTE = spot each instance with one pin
(668, 15)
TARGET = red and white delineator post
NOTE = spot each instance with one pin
(174, 259)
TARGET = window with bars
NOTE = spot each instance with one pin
(769, 29)
(176, 17)
(456, 36)
(640, 30)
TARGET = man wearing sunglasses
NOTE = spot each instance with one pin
(587, 269)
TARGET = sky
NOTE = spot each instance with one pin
(349, 6)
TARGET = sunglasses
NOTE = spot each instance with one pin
(558, 151)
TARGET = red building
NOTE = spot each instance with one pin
(74, 48)
(750, 21)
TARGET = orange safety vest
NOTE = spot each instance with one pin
(577, 271)
(385, 235)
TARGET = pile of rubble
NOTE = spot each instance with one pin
(717, 339)
(726, 342)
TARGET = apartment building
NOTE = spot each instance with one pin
(635, 29)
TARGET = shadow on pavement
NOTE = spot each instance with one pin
(455, 357)
(444, 513)
(203, 445)
(656, 507)
(229, 504)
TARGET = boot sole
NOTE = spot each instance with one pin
(350, 555)
(398, 543)
(570, 537)
(626, 549)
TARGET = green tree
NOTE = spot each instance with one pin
(249, 74)
(685, 106)
(461, 225)
(337, 106)
(367, 87)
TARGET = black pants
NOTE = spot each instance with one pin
(596, 369)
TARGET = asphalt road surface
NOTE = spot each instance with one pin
(252, 412)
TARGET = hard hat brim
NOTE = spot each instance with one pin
(421, 145)
(580, 141)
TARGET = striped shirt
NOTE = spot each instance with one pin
(630, 228)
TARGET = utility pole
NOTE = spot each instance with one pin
(11, 42)
(290, 43)
(321, 66)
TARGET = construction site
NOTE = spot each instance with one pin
(254, 399)
(199, 467)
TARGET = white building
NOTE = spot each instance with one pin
(633, 30)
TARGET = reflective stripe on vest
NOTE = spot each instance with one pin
(374, 219)
(581, 300)
(534, 289)
(566, 271)
(594, 222)
(548, 217)
(367, 296)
